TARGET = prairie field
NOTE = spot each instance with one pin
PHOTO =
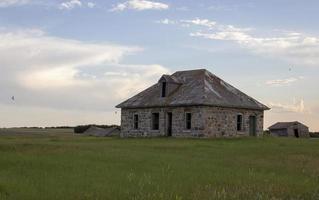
(55, 164)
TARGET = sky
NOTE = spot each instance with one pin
(69, 62)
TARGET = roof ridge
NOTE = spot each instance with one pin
(199, 69)
(203, 79)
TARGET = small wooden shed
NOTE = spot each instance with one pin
(102, 132)
(289, 129)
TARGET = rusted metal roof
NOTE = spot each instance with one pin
(284, 125)
(195, 88)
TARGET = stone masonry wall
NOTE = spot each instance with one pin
(144, 115)
(145, 122)
(222, 122)
(206, 122)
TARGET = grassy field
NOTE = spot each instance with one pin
(42, 164)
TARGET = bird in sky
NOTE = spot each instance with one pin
(12, 98)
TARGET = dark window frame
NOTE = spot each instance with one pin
(239, 122)
(155, 121)
(164, 89)
(135, 121)
(188, 121)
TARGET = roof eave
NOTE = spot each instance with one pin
(188, 105)
(119, 106)
(267, 108)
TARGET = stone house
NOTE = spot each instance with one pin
(289, 129)
(192, 103)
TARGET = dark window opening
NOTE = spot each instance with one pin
(239, 122)
(155, 121)
(188, 120)
(163, 89)
(135, 121)
(169, 123)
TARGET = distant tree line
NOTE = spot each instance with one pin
(77, 129)
(37, 127)
(314, 134)
(82, 128)
(59, 127)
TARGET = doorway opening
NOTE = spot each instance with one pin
(296, 133)
(252, 126)
(169, 124)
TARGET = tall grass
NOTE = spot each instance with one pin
(63, 166)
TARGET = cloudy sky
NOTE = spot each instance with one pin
(70, 62)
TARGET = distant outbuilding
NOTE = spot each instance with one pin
(289, 129)
(102, 132)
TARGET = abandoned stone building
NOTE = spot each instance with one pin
(192, 103)
(289, 129)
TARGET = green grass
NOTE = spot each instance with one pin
(58, 165)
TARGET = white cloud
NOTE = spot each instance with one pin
(200, 22)
(296, 107)
(58, 77)
(293, 47)
(69, 5)
(130, 76)
(166, 21)
(91, 4)
(60, 73)
(65, 5)
(283, 82)
(140, 5)
(211, 25)
(7, 3)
